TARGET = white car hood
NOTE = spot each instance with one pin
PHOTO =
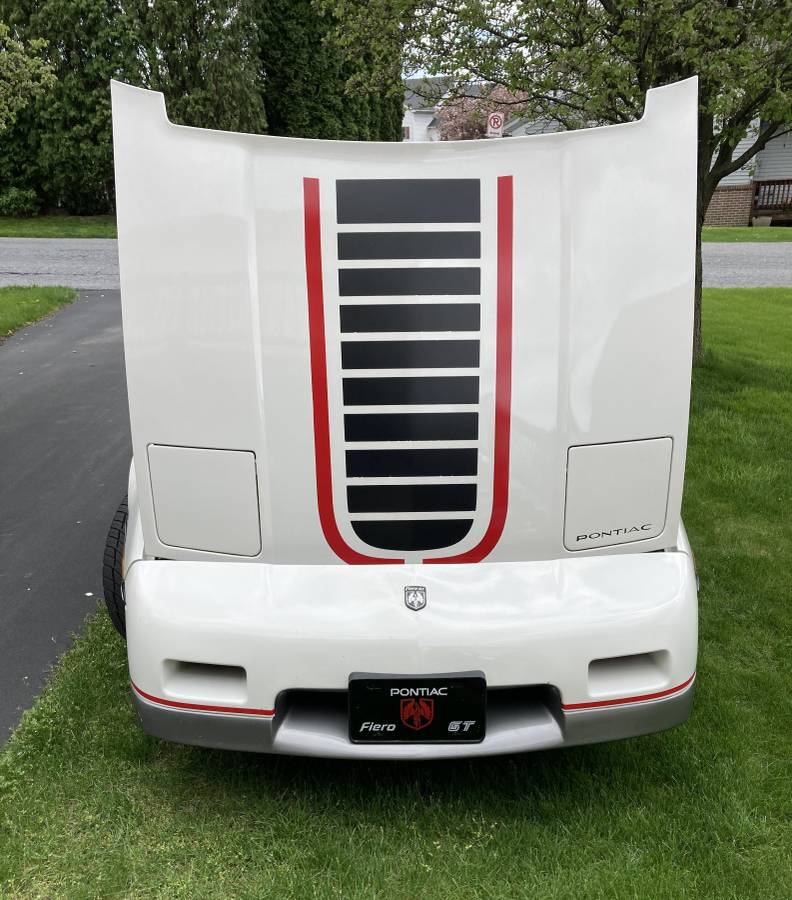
(443, 352)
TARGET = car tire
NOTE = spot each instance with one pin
(113, 568)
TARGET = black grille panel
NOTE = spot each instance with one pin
(410, 354)
(420, 534)
(408, 282)
(435, 479)
(411, 317)
(409, 245)
(406, 463)
(417, 391)
(411, 427)
(389, 201)
(412, 498)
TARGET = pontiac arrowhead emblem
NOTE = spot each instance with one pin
(417, 712)
(414, 597)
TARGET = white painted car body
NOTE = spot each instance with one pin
(323, 414)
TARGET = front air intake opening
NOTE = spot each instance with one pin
(205, 682)
(629, 676)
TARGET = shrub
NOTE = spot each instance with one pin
(16, 201)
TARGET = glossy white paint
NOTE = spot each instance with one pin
(212, 258)
(616, 493)
(308, 627)
(205, 499)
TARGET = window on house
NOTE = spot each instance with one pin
(405, 132)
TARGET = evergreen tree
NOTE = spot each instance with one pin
(199, 54)
(306, 78)
(202, 56)
(219, 63)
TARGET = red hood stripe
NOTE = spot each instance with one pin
(316, 327)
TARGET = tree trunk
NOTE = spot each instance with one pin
(698, 348)
(706, 188)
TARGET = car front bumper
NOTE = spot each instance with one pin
(604, 646)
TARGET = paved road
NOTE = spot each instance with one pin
(93, 263)
(64, 458)
(747, 265)
(82, 263)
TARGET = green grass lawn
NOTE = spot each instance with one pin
(22, 305)
(735, 234)
(59, 227)
(90, 806)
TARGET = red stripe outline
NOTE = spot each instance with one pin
(177, 704)
(316, 327)
(595, 704)
(503, 377)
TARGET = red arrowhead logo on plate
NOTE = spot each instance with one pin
(417, 712)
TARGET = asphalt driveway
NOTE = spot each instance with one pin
(64, 460)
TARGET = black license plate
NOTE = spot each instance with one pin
(413, 709)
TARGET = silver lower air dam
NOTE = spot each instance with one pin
(320, 729)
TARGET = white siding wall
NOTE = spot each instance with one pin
(743, 175)
(775, 161)
(417, 120)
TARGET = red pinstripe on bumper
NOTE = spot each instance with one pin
(639, 698)
(202, 707)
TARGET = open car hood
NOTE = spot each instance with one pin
(425, 353)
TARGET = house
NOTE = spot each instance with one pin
(422, 98)
(433, 113)
(759, 192)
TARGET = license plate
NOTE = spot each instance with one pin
(413, 709)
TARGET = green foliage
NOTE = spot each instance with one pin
(24, 75)
(199, 54)
(16, 201)
(306, 78)
(61, 145)
(218, 62)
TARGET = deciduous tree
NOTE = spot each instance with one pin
(24, 75)
(583, 62)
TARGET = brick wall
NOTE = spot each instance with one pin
(730, 205)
